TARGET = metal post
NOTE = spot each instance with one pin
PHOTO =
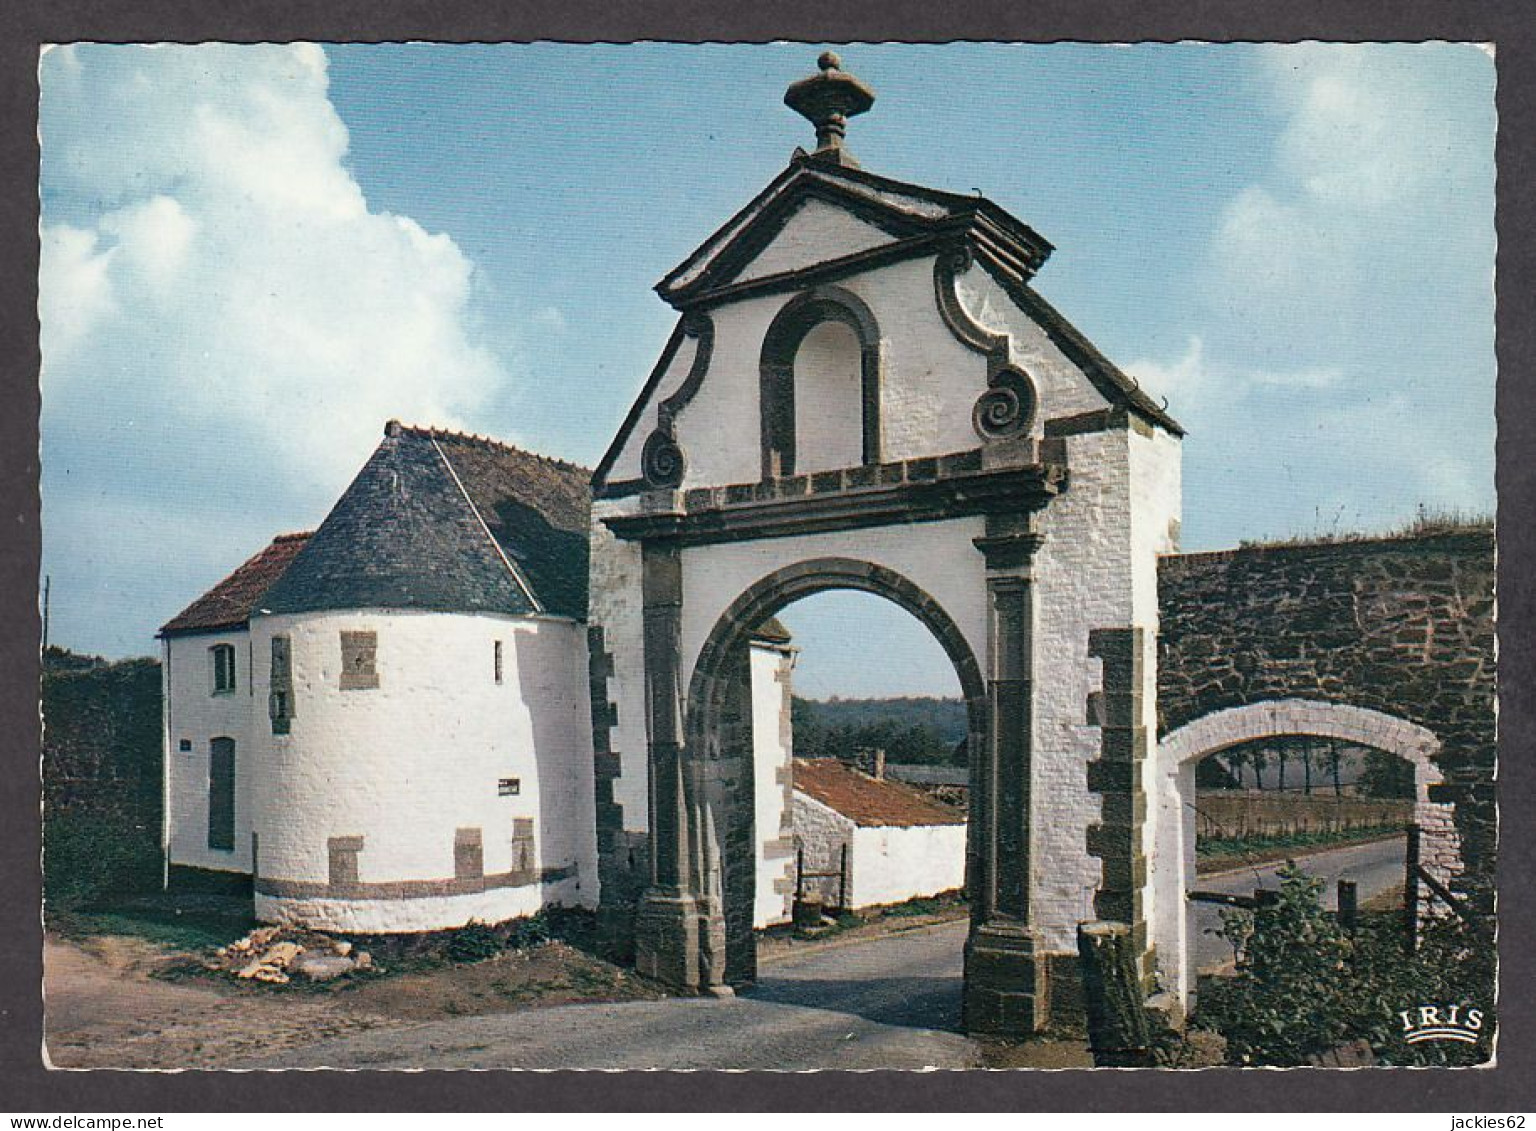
(1411, 891)
(799, 872)
(1349, 908)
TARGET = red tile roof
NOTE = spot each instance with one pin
(868, 801)
(229, 603)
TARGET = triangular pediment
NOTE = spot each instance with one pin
(816, 213)
(815, 232)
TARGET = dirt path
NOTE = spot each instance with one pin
(106, 1006)
(103, 1009)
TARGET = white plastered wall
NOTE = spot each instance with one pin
(817, 232)
(821, 832)
(930, 385)
(894, 863)
(406, 764)
(197, 714)
(771, 760)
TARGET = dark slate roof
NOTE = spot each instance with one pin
(869, 801)
(228, 604)
(447, 522)
(772, 631)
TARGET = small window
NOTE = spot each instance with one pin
(359, 652)
(497, 661)
(223, 667)
(186, 746)
(509, 787)
(280, 699)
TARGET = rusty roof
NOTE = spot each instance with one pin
(229, 603)
(870, 801)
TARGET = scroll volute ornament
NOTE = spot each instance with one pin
(1007, 409)
(662, 462)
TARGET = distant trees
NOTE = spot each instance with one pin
(1386, 775)
(1270, 763)
(910, 730)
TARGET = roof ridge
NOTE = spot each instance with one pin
(434, 433)
(517, 574)
(293, 536)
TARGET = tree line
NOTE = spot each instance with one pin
(1310, 764)
(911, 730)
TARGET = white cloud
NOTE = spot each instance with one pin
(1343, 347)
(226, 279)
(226, 325)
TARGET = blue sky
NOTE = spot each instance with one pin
(253, 256)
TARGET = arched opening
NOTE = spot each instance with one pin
(1246, 788)
(828, 399)
(723, 747)
(819, 388)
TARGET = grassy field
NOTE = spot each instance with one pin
(1213, 854)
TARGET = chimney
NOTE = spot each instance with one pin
(879, 763)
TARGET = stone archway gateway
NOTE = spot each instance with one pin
(718, 749)
(1181, 750)
(864, 391)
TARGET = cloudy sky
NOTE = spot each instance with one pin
(254, 256)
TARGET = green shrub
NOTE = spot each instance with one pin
(1305, 986)
(87, 860)
(473, 943)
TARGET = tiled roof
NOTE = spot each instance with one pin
(868, 801)
(447, 522)
(228, 604)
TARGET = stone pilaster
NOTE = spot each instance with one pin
(666, 924)
(1006, 984)
(1117, 776)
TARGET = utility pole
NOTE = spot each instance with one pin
(47, 586)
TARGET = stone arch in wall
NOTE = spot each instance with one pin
(717, 759)
(789, 329)
(1402, 625)
(1180, 750)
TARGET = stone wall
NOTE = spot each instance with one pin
(101, 768)
(1402, 625)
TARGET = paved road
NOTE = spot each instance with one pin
(891, 1002)
(1375, 867)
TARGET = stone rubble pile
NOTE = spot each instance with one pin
(277, 954)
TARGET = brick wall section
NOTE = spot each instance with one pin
(1399, 625)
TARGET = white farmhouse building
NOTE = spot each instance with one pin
(385, 724)
(900, 844)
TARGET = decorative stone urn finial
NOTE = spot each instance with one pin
(828, 100)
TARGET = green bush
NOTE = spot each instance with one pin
(87, 860)
(1305, 985)
(474, 942)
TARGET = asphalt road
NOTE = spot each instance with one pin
(1375, 867)
(889, 1002)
